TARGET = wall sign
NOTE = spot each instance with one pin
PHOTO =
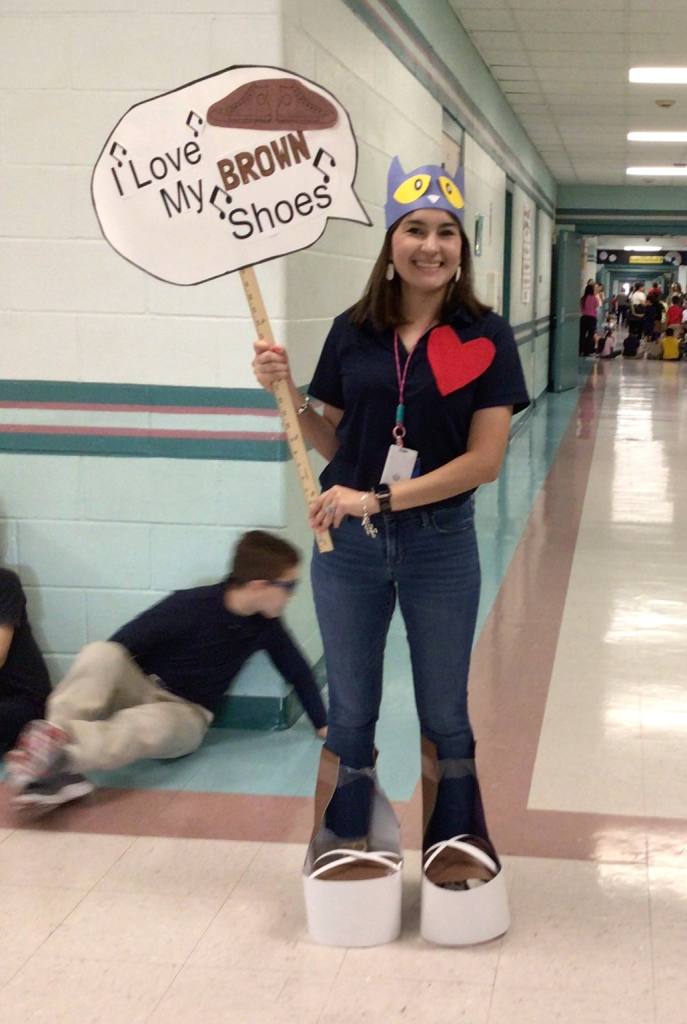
(230, 170)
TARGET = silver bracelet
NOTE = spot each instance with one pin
(305, 405)
(368, 526)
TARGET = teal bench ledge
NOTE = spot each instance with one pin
(244, 711)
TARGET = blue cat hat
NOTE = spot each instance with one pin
(426, 188)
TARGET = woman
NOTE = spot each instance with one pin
(600, 311)
(419, 381)
(589, 305)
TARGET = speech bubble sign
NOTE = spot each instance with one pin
(240, 167)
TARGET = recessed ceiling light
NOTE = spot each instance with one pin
(642, 248)
(657, 136)
(672, 76)
(654, 171)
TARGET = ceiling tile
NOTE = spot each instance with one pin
(475, 20)
(461, 6)
(509, 56)
(566, 19)
(590, 6)
(563, 67)
(513, 73)
(496, 40)
(579, 59)
(569, 42)
(595, 73)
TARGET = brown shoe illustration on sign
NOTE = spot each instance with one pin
(281, 104)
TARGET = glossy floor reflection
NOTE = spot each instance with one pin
(174, 893)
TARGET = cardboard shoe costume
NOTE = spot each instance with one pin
(353, 890)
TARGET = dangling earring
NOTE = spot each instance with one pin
(390, 271)
(457, 277)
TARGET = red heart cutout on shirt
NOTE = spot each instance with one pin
(456, 363)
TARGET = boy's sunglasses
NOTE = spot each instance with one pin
(284, 584)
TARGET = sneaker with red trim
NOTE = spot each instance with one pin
(37, 750)
(57, 787)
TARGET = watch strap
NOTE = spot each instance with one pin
(383, 496)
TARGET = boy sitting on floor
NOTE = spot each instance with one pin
(153, 688)
(671, 345)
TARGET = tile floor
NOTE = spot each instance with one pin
(173, 894)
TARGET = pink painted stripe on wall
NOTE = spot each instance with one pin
(234, 435)
(181, 410)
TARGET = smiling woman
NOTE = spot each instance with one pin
(419, 380)
(425, 252)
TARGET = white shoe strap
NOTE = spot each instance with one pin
(340, 858)
(458, 843)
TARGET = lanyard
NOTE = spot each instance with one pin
(399, 430)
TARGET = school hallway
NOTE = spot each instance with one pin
(173, 894)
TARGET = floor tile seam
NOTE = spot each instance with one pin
(177, 969)
(185, 961)
(16, 972)
(133, 840)
(335, 977)
(64, 920)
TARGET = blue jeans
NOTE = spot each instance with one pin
(428, 559)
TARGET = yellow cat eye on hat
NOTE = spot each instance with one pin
(452, 192)
(412, 188)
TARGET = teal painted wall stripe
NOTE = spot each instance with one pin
(133, 394)
(52, 417)
(528, 332)
(145, 447)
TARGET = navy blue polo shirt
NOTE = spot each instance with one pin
(356, 373)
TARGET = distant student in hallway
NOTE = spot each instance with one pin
(589, 305)
(674, 316)
(152, 690)
(24, 680)
(671, 345)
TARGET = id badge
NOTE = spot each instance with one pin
(400, 465)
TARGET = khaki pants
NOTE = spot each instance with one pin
(115, 714)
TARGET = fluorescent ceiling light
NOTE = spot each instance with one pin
(657, 136)
(653, 172)
(659, 76)
(642, 248)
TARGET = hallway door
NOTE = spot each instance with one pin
(566, 311)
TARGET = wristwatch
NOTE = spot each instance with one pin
(383, 496)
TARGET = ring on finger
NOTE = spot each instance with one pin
(330, 510)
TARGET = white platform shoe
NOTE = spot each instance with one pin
(464, 897)
(353, 891)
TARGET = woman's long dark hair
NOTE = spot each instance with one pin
(381, 301)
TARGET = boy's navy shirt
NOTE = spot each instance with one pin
(196, 646)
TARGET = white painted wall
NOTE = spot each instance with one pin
(72, 309)
(485, 190)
